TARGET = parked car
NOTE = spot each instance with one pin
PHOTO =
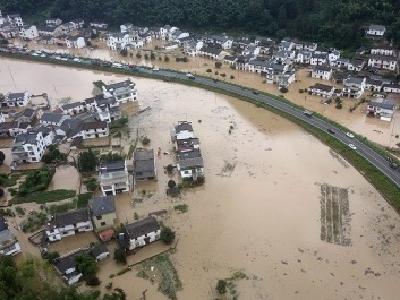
(308, 113)
(331, 131)
(350, 135)
(190, 76)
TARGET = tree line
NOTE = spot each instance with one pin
(333, 22)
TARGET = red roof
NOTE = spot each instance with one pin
(106, 235)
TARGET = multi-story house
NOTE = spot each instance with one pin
(123, 91)
(28, 32)
(16, 99)
(104, 215)
(28, 148)
(69, 223)
(114, 178)
(140, 233)
(383, 50)
(74, 108)
(75, 42)
(353, 87)
(322, 90)
(303, 56)
(94, 129)
(382, 62)
(15, 20)
(383, 110)
(53, 22)
(322, 72)
(319, 58)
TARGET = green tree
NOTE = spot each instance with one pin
(167, 235)
(221, 286)
(87, 161)
(2, 157)
(120, 256)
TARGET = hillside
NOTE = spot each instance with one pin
(334, 22)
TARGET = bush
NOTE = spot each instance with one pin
(145, 141)
(2, 157)
(20, 210)
(339, 105)
(218, 65)
(170, 168)
(1, 193)
(146, 56)
(152, 56)
(167, 235)
(118, 124)
(87, 161)
(54, 155)
(283, 89)
(138, 55)
(38, 180)
(209, 71)
(83, 199)
(120, 256)
(123, 52)
(41, 197)
(232, 77)
(91, 184)
(185, 59)
(166, 58)
(221, 287)
(171, 184)
(223, 75)
(216, 73)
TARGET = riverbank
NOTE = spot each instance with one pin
(382, 183)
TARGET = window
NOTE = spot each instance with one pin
(99, 217)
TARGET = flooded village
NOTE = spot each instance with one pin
(174, 189)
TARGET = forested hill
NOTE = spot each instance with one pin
(335, 22)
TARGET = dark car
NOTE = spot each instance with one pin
(331, 131)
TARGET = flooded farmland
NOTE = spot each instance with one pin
(260, 209)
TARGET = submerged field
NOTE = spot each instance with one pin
(277, 205)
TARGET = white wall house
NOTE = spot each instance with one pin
(391, 88)
(376, 30)
(141, 233)
(114, 178)
(69, 223)
(303, 56)
(28, 32)
(94, 129)
(17, 99)
(28, 148)
(353, 87)
(319, 59)
(322, 72)
(382, 62)
(322, 90)
(53, 22)
(75, 42)
(53, 119)
(15, 20)
(124, 91)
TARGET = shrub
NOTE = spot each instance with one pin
(138, 55)
(152, 56)
(20, 210)
(146, 56)
(171, 184)
(2, 157)
(145, 141)
(218, 64)
(232, 77)
(170, 168)
(216, 73)
(91, 184)
(185, 59)
(123, 52)
(83, 199)
(208, 70)
(87, 161)
(167, 235)
(166, 58)
(339, 105)
(223, 75)
(120, 256)
(221, 286)
(283, 89)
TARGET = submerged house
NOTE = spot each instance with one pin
(69, 223)
(103, 212)
(140, 233)
(114, 178)
(144, 164)
(9, 245)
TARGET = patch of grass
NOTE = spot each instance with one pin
(61, 208)
(90, 184)
(9, 180)
(20, 211)
(42, 197)
(163, 272)
(229, 284)
(34, 222)
(182, 208)
(6, 212)
(83, 199)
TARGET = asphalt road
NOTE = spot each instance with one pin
(368, 153)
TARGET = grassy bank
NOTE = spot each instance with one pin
(383, 184)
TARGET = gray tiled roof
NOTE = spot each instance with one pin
(137, 229)
(72, 217)
(102, 205)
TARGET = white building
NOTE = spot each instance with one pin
(53, 22)
(382, 62)
(15, 20)
(28, 32)
(322, 90)
(319, 59)
(9, 245)
(140, 233)
(353, 87)
(391, 88)
(383, 110)
(69, 223)
(376, 30)
(75, 42)
(124, 91)
(322, 72)
(114, 178)
(17, 99)
(53, 119)
(28, 148)
(94, 129)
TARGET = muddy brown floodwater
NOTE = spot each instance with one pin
(260, 209)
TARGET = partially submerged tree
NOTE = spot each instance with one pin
(87, 161)
(167, 235)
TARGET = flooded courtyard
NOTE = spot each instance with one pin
(260, 210)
